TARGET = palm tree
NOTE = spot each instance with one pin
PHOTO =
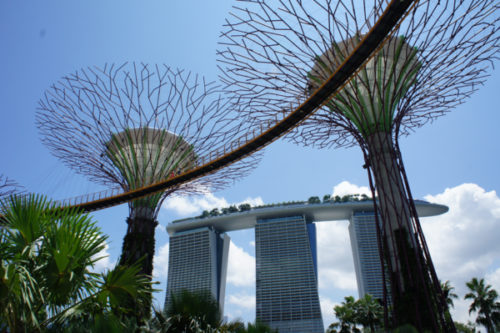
(191, 312)
(369, 312)
(46, 254)
(483, 301)
(346, 314)
(186, 305)
(448, 293)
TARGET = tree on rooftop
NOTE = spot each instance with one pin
(233, 209)
(215, 212)
(314, 200)
(244, 207)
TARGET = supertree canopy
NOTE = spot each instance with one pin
(149, 155)
(279, 52)
(133, 126)
(370, 99)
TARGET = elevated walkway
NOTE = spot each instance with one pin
(264, 134)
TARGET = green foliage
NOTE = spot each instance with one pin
(257, 327)
(346, 314)
(484, 303)
(214, 212)
(365, 311)
(46, 255)
(314, 200)
(244, 207)
(188, 304)
(190, 312)
(369, 312)
(404, 303)
(465, 328)
(406, 329)
(448, 293)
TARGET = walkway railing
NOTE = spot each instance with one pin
(261, 136)
(208, 158)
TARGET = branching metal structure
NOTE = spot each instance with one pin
(7, 187)
(137, 125)
(278, 52)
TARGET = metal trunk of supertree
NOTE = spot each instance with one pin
(145, 156)
(369, 101)
(278, 52)
(134, 127)
(402, 248)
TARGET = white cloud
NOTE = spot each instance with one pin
(243, 300)
(493, 278)
(160, 264)
(105, 262)
(346, 188)
(336, 265)
(186, 206)
(252, 243)
(327, 306)
(464, 242)
(241, 267)
(252, 201)
(162, 228)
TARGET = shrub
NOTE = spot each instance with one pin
(233, 209)
(314, 200)
(245, 207)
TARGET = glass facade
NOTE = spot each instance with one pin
(364, 244)
(287, 288)
(198, 262)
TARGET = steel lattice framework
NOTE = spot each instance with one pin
(7, 187)
(137, 125)
(278, 52)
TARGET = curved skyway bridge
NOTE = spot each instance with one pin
(267, 133)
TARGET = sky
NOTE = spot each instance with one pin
(453, 161)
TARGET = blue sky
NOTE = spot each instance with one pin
(453, 161)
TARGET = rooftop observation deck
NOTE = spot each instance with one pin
(313, 212)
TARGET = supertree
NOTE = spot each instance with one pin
(278, 52)
(133, 126)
